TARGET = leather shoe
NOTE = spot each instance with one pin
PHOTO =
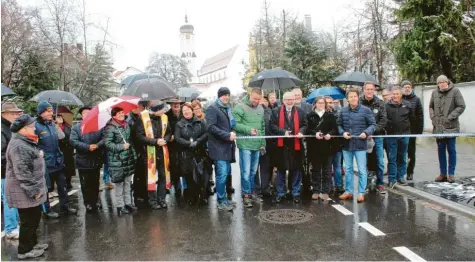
(51, 215)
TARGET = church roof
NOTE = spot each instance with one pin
(218, 61)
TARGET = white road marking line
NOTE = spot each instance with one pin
(343, 210)
(54, 203)
(72, 192)
(407, 253)
(370, 228)
(3, 234)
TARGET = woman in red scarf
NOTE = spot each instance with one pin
(122, 159)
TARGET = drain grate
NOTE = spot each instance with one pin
(285, 216)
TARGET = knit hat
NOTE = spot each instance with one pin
(43, 106)
(405, 83)
(21, 122)
(442, 78)
(223, 91)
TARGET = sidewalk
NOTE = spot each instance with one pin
(459, 195)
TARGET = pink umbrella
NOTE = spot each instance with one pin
(100, 114)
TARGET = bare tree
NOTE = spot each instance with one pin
(16, 40)
(172, 68)
(55, 24)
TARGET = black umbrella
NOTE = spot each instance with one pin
(151, 89)
(57, 97)
(131, 79)
(7, 91)
(355, 78)
(187, 93)
(275, 79)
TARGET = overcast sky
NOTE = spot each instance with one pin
(140, 27)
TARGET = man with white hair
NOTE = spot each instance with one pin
(289, 120)
(299, 101)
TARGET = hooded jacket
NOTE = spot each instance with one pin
(248, 117)
(445, 108)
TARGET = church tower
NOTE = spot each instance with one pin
(187, 47)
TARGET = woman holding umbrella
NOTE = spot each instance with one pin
(191, 136)
(122, 159)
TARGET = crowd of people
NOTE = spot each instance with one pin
(302, 144)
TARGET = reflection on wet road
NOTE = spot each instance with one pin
(391, 227)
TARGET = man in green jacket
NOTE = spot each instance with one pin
(249, 116)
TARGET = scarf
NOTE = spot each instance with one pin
(122, 123)
(282, 116)
(33, 137)
(232, 121)
(320, 113)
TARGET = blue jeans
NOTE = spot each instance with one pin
(337, 176)
(379, 149)
(447, 145)
(248, 162)
(222, 170)
(10, 215)
(296, 176)
(106, 176)
(350, 173)
(397, 147)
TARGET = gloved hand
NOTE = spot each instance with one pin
(193, 144)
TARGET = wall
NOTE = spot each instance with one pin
(467, 123)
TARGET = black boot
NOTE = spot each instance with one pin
(229, 185)
(131, 208)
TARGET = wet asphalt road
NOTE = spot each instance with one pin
(204, 233)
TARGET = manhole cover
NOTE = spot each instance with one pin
(285, 216)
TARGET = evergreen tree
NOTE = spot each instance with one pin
(307, 58)
(98, 84)
(440, 41)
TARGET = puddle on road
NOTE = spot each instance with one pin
(462, 191)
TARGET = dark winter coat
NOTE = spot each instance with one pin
(445, 108)
(144, 141)
(400, 118)
(219, 132)
(49, 143)
(378, 107)
(187, 131)
(356, 121)
(68, 150)
(416, 105)
(286, 157)
(86, 159)
(25, 173)
(325, 124)
(133, 120)
(306, 107)
(6, 137)
(121, 160)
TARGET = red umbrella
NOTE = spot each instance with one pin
(98, 117)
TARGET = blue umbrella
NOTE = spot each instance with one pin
(7, 91)
(332, 91)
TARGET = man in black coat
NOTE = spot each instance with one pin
(89, 159)
(289, 120)
(400, 120)
(417, 128)
(174, 116)
(376, 157)
(220, 122)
